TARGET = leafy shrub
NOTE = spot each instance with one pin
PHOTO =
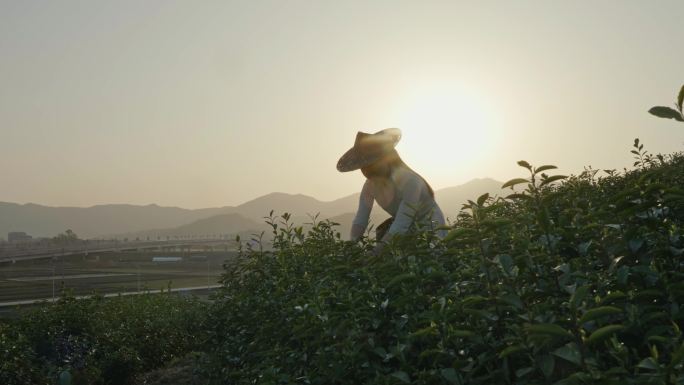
(16, 358)
(569, 281)
(102, 341)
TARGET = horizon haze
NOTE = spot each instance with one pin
(209, 104)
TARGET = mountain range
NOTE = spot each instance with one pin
(123, 220)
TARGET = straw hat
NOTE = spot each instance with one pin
(369, 148)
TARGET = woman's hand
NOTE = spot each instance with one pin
(356, 232)
(379, 247)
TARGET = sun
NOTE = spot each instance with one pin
(446, 128)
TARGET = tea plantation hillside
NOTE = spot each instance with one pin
(571, 280)
(574, 283)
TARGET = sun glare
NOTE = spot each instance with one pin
(446, 128)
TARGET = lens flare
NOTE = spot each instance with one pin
(445, 129)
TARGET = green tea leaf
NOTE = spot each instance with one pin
(523, 163)
(579, 295)
(459, 233)
(461, 333)
(430, 354)
(450, 375)
(480, 313)
(546, 364)
(381, 352)
(659, 339)
(544, 168)
(552, 179)
(666, 112)
(430, 330)
(519, 196)
(676, 252)
(569, 352)
(648, 317)
(623, 273)
(635, 244)
(400, 278)
(482, 199)
(523, 372)
(549, 329)
(511, 350)
(677, 356)
(514, 182)
(575, 379)
(401, 376)
(506, 263)
(649, 363)
(648, 294)
(583, 248)
(472, 300)
(603, 333)
(614, 296)
(512, 300)
(599, 312)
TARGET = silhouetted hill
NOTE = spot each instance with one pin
(215, 226)
(296, 204)
(38, 220)
(451, 199)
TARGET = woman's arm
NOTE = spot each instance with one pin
(356, 232)
(360, 221)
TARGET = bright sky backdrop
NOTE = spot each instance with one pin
(212, 103)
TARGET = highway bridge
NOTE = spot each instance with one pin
(22, 252)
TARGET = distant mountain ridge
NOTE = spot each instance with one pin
(214, 227)
(117, 219)
(451, 199)
(87, 222)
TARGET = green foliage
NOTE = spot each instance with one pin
(573, 282)
(568, 280)
(66, 237)
(671, 113)
(100, 341)
(16, 359)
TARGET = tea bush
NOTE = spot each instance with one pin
(571, 280)
(16, 359)
(100, 341)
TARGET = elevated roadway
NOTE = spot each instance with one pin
(14, 253)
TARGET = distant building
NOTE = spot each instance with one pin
(18, 236)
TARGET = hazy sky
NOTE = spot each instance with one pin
(212, 103)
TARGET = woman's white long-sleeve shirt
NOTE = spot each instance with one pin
(405, 196)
